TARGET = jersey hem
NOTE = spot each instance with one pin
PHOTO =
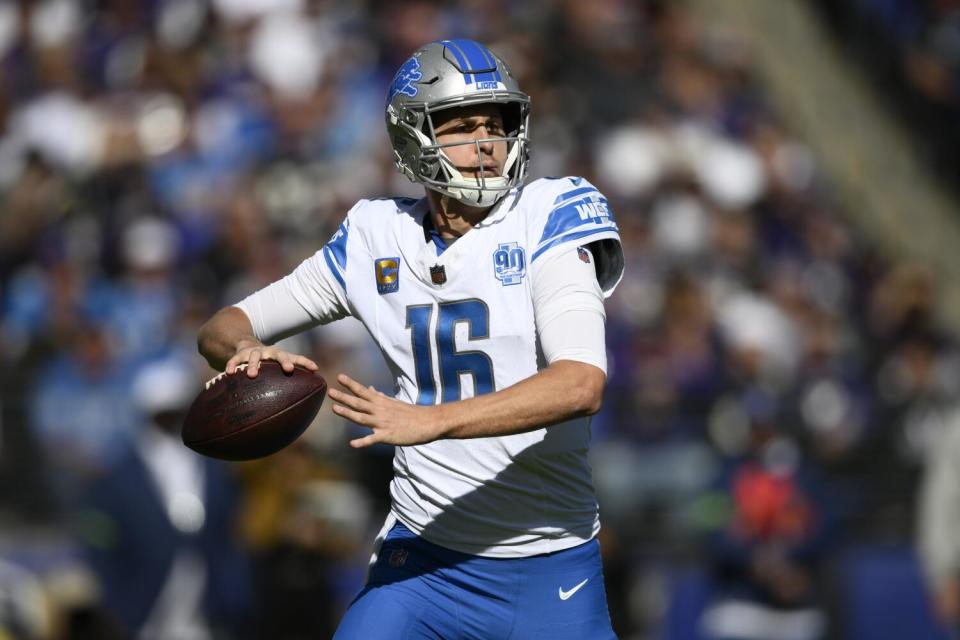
(501, 552)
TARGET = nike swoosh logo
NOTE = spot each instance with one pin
(565, 595)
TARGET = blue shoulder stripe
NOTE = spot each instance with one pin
(335, 252)
(334, 268)
(570, 237)
(571, 194)
(338, 244)
(590, 211)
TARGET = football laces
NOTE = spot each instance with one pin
(214, 380)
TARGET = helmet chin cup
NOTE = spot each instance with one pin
(448, 74)
(476, 197)
(478, 192)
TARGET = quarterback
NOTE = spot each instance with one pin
(486, 299)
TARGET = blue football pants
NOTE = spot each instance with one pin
(418, 590)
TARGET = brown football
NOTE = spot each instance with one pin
(236, 417)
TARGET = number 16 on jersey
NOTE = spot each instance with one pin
(451, 363)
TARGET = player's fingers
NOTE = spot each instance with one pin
(355, 387)
(285, 359)
(359, 404)
(304, 361)
(239, 358)
(253, 363)
(361, 419)
(365, 441)
(269, 353)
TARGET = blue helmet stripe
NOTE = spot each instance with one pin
(478, 58)
(458, 54)
(491, 63)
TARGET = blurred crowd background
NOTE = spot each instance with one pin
(912, 50)
(778, 384)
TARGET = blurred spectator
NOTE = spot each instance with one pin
(772, 534)
(912, 50)
(158, 525)
(307, 525)
(81, 410)
(140, 310)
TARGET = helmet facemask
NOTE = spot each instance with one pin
(428, 83)
(441, 174)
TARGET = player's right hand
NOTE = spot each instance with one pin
(251, 353)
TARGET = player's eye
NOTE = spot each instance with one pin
(495, 127)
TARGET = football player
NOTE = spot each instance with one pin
(486, 298)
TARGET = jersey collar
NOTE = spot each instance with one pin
(430, 232)
(501, 209)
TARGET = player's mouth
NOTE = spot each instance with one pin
(486, 171)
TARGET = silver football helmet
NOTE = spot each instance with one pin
(455, 73)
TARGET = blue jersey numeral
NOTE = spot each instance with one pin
(418, 320)
(452, 363)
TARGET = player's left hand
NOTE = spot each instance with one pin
(392, 421)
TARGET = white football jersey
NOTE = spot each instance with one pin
(459, 321)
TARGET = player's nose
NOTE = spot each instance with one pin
(483, 139)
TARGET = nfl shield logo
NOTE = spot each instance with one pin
(438, 274)
(584, 254)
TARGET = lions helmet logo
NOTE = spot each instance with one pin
(404, 81)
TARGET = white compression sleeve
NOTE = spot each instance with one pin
(308, 296)
(568, 306)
